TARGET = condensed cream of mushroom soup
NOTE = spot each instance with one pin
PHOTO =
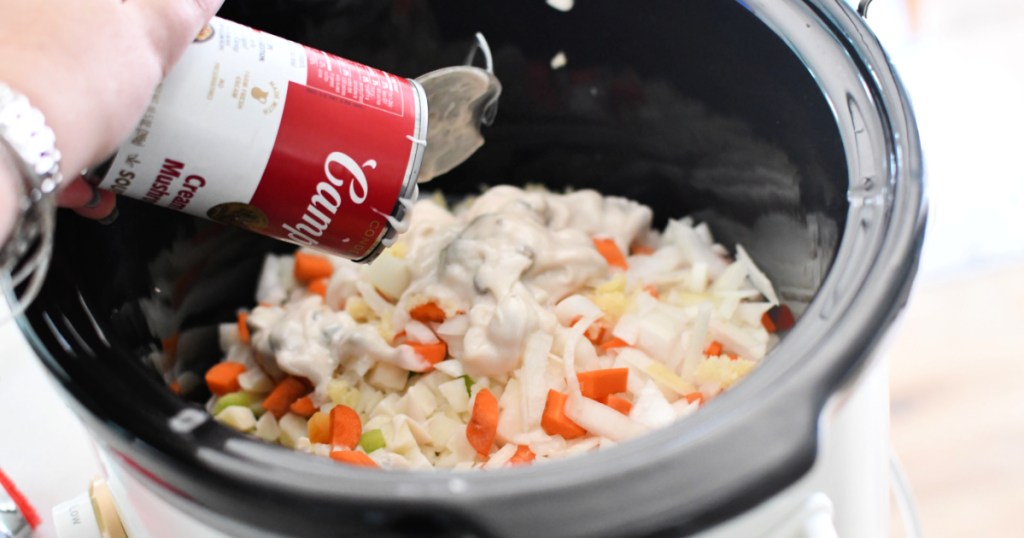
(260, 132)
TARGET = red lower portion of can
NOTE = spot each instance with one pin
(336, 171)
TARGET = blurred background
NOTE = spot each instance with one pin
(958, 355)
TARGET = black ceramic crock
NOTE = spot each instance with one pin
(779, 122)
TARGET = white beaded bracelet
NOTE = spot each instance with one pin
(28, 145)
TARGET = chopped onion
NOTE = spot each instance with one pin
(651, 408)
(628, 328)
(569, 357)
(601, 420)
(693, 247)
(500, 457)
(731, 278)
(270, 289)
(454, 326)
(574, 307)
(419, 333)
(510, 417)
(757, 278)
(738, 340)
(378, 304)
(450, 367)
(695, 342)
(533, 379)
(657, 371)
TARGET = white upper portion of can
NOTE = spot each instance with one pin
(232, 79)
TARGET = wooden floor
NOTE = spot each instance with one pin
(958, 403)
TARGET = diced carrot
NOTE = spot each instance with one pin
(284, 394)
(554, 421)
(427, 312)
(319, 428)
(346, 428)
(483, 422)
(695, 397)
(611, 253)
(353, 457)
(599, 384)
(733, 356)
(243, 327)
(619, 404)
(303, 407)
(310, 267)
(613, 343)
(318, 287)
(175, 387)
(714, 349)
(652, 290)
(432, 353)
(522, 456)
(778, 318)
(223, 377)
(642, 250)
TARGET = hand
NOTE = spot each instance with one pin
(91, 67)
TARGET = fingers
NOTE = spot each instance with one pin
(87, 200)
(103, 209)
(76, 193)
(173, 24)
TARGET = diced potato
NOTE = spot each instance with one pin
(387, 377)
(454, 392)
(359, 309)
(267, 428)
(388, 274)
(254, 380)
(423, 399)
(441, 429)
(341, 393)
(460, 447)
(388, 405)
(237, 418)
(292, 427)
(401, 438)
(416, 459)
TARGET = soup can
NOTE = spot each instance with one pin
(257, 131)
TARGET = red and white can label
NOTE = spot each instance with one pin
(257, 131)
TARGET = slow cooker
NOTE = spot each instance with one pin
(780, 123)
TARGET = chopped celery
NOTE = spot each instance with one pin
(372, 440)
(240, 398)
(469, 384)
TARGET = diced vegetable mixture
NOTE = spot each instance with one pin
(521, 326)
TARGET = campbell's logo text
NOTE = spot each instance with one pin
(327, 198)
